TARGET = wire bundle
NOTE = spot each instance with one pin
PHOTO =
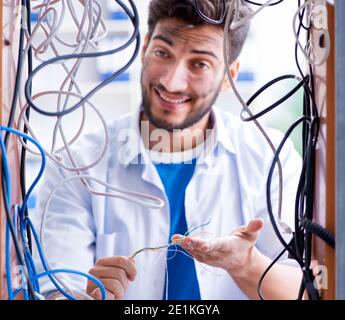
(90, 30)
(299, 247)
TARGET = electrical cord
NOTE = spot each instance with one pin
(262, 278)
(320, 231)
(302, 239)
(268, 189)
(27, 115)
(275, 104)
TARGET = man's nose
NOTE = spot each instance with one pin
(175, 78)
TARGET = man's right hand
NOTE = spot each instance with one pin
(115, 273)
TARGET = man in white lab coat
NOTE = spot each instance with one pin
(208, 167)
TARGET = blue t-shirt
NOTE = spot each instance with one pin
(182, 279)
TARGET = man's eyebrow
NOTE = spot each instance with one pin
(171, 43)
(164, 39)
(210, 53)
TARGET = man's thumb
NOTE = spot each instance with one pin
(254, 226)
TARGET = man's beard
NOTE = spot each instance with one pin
(187, 123)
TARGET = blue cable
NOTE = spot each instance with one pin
(8, 189)
(88, 276)
(6, 169)
(33, 185)
(8, 264)
(23, 221)
(27, 255)
(43, 164)
(50, 272)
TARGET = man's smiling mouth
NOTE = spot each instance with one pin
(170, 99)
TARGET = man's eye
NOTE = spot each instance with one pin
(201, 65)
(161, 53)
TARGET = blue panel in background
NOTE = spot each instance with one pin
(118, 15)
(121, 77)
(246, 76)
(34, 16)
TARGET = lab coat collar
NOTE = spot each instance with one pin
(136, 153)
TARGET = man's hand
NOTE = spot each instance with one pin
(115, 273)
(238, 255)
(232, 253)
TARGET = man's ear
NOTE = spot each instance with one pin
(144, 48)
(234, 68)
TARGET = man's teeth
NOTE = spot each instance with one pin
(172, 101)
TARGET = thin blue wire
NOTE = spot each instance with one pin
(189, 232)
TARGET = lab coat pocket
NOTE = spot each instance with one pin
(111, 244)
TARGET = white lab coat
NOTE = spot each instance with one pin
(229, 186)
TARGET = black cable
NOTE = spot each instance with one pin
(319, 231)
(301, 16)
(265, 273)
(275, 104)
(27, 115)
(135, 36)
(305, 194)
(268, 189)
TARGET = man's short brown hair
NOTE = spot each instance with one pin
(186, 12)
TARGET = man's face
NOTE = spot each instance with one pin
(183, 71)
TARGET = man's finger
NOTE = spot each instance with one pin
(188, 243)
(97, 295)
(254, 226)
(125, 263)
(201, 245)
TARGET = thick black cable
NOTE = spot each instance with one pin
(319, 231)
(27, 115)
(275, 104)
(266, 272)
(268, 189)
(135, 36)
